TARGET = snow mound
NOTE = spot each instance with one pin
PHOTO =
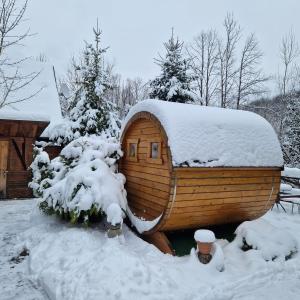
(204, 236)
(291, 172)
(76, 263)
(272, 242)
(114, 214)
(285, 188)
(210, 136)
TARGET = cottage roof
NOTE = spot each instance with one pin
(23, 116)
(201, 136)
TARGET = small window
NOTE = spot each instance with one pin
(154, 150)
(132, 149)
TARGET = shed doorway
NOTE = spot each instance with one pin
(3, 167)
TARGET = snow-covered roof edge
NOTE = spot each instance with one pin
(23, 116)
(201, 136)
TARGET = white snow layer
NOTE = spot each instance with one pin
(211, 136)
(80, 263)
(140, 224)
(273, 243)
(285, 188)
(204, 236)
(291, 172)
(6, 114)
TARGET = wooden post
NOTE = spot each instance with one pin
(160, 241)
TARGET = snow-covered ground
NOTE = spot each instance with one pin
(68, 262)
(14, 280)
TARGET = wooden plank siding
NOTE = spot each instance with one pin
(20, 135)
(17, 184)
(206, 196)
(190, 197)
(53, 151)
(147, 184)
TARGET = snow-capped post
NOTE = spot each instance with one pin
(205, 240)
(114, 220)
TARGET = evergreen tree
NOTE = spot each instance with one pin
(291, 137)
(174, 83)
(90, 112)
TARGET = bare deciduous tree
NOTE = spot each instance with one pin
(12, 81)
(132, 91)
(226, 56)
(250, 80)
(203, 61)
(289, 51)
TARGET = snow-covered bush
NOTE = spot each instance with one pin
(84, 181)
(271, 242)
(41, 171)
(84, 121)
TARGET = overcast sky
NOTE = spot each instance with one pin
(136, 29)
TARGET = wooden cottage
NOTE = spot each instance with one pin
(189, 166)
(18, 132)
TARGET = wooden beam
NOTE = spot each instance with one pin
(160, 241)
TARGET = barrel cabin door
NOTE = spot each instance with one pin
(3, 167)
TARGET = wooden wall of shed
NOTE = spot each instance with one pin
(53, 151)
(211, 196)
(17, 184)
(19, 128)
(19, 160)
(147, 184)
(21, 135)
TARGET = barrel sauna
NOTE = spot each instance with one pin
(227, 169)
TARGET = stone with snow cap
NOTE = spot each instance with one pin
(201, 136)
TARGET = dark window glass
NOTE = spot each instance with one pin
(132, 150)
(154, 150)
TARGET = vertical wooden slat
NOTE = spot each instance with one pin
(3, 167)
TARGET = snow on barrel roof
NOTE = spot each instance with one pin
(200, 136)
(24, 116)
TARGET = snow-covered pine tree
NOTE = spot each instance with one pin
(291, 136)
(89, 111)
(174, 83)
(83, 181)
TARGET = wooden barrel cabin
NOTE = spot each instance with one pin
(189, 166)
(18, 133)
